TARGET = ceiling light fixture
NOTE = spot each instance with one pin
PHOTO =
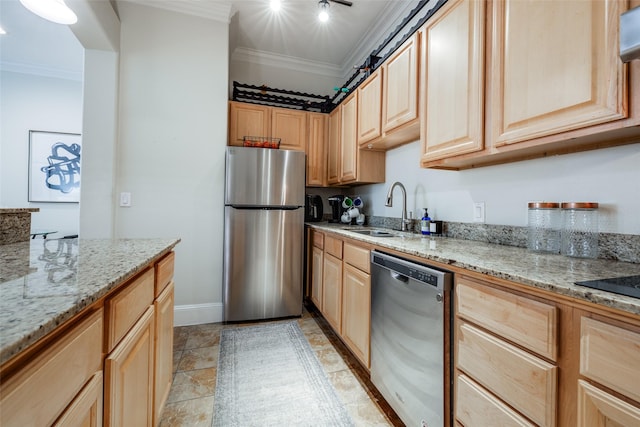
(2, 31)
(51, 10)
(275, 5)
(323, 16)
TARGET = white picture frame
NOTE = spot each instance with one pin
(54, 166)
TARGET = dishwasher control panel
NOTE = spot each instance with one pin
(420, 272)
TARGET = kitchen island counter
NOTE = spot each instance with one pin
(549, 272)
(44, 283)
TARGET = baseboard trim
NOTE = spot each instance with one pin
(197, 314)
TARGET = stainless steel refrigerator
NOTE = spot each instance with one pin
(263, 233)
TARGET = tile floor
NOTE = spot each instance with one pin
(195, 356)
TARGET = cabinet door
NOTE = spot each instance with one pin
(291, 127)
(163, 350)
(554, 67)
(348, 139)
(452, 84)
(597, 408)
(317, 261)
(356, 311)
(332, 291)
(129, 377)
(333, 148)
(247, 120)
(400, 86)
(86, 408)
(317, 150)
(370, 108)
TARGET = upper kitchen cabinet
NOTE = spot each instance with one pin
(400, 106)
(317, 150)
(370, 105)
(356, 165)
(554, 84)
(290, 126)
(452, 81)
(555, 67)
(248, 120)
(333, 147)
(388, 100)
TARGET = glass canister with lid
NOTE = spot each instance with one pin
(579, 229)
(544, 226)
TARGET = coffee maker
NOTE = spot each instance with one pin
(336, 207)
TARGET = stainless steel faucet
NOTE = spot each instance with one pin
(405, 221)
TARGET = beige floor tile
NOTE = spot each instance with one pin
(204, 336)
(193, 384)
(347, 386)
(318, 341)
(199, 358)
(180, 335)
(331, 360)
(366, 414)
(177, 355)
(188, 413)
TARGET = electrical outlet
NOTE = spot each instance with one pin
(125, 200)
(478, 212)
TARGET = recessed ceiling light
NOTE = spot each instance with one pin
(2, 31)
(51, 10)
(275, 5)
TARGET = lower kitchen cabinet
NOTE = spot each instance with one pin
(129, 376)
(356, 311)
(317, 262)
(163, 350)
(86, 409)
(332, 291)
(56, 379)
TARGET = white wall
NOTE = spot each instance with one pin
(609, 176)
(33, 102)
(172, 138)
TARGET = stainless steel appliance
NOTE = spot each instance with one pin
(629, 285)
(263, 233)
(410, 324)
(313, 208)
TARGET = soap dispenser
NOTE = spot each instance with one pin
(425, 223)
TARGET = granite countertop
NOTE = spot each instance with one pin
(44, 283)
(18, 210)
(555, 273)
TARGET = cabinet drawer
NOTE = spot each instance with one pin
(39, 392)
(531, 324)
(125, 308)
(318, 240)
(357, 257)
(523, 381)
(610, 355)
(476, 407)
(164, 272)
(86, 409)
(333, 246)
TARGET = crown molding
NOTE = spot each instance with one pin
(253, 56)
(15, 67)
(217, 11)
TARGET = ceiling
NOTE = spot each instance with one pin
(254, 32)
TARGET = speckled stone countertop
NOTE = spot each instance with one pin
(43, 283)
(555, 273)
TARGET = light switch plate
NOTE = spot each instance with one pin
(125, 200)
(478, 212)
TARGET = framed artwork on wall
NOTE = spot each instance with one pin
(54, 167)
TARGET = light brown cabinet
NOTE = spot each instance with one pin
(332, 282)
(546, 88)
(489, 321)
(334, 161)
(349, 138)
(356, 301)
(129, 373)
(370, 108)
(317, 262)
(42, 389)
(452, 81)
(400, 101)
(248, 120)
(86, 409)
(290, 126)
(316, 150)
(163, 350)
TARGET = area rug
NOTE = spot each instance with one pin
(268, 375)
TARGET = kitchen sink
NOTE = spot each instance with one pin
(374, 233)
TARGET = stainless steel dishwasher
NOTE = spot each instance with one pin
(410, 324)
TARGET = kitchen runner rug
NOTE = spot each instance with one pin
(268, 375)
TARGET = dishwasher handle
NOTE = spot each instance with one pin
(403, 270)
